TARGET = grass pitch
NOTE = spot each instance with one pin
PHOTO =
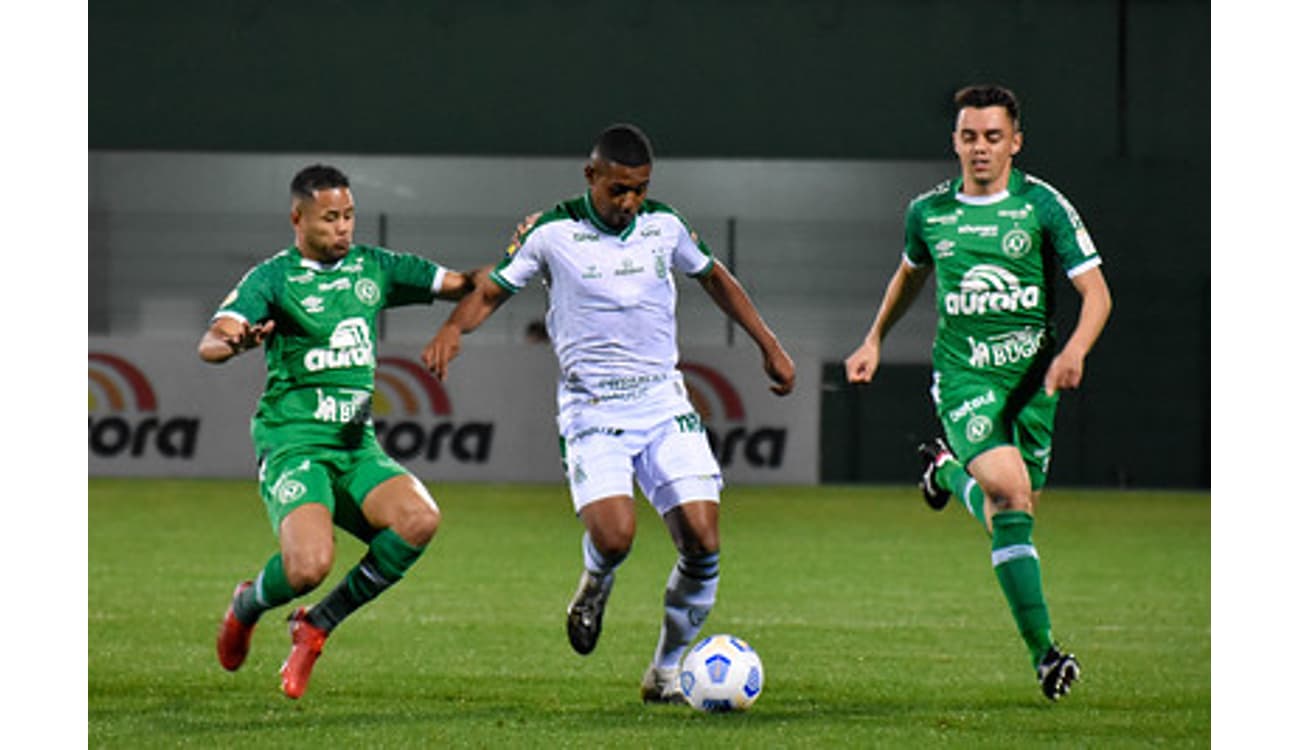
(879, 623)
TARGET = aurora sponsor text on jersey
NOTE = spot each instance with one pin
(320, 362)
(995, 259)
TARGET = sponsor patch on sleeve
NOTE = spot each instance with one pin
(1085, 242)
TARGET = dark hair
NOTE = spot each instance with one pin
(989, 96)
(316, 177)
(623, 144)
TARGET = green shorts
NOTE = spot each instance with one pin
(336, 478)
(977, 416)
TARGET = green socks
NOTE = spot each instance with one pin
(270, 590)
(388, 559)
(952, 477)
(1015, 562)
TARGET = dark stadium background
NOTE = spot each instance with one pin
(1116, 97)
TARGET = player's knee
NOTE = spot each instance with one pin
(307, 569)
(701, 543)
(418, 523)
(614, 540)
(1006, 493)
(706, 536)
(1004, 501)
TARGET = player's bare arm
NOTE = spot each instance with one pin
(1066, 370)
(903, 288)
(445, 345)
(455, 285)
(731, 298)
(469, 314)
(228, 337)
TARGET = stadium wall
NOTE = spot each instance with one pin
(1116, 96)
(707, 78)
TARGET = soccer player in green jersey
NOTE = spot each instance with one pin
(994, 238)
(314, 306)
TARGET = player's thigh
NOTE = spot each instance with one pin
(974, 414)
(307, 545)
(373, 476)
(677, 466)
(403, 504)
(290, 479)
(611, 523)
(1035, 425)
(598, 466)
(1002, 475)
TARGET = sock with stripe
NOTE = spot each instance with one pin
(598, 563)
(1015, 563)
(952, 477)
(384, 564)
(688, 598)
(269, 590)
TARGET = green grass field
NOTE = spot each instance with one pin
(879, 623)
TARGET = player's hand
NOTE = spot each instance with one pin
(456, 284)
(441, 350)
(860, 366)
(780, 368)
(1065, 372)
(525, 224)
(249, 337)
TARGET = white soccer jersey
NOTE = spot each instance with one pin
(612, 301)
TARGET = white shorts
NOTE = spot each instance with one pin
(669, 457)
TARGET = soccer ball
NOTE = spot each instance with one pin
(722, 673)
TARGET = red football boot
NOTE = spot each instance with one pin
(307, 642)
(234, 636)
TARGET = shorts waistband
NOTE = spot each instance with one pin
(625, 388)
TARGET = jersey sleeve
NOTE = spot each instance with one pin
(691, 255)
(1065, 230)
(253, 297)
(412, 279)
(915, 250)
(521, 262)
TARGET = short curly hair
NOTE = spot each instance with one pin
(623, 144)
(316, 177)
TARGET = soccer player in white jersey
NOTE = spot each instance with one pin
(607, 259)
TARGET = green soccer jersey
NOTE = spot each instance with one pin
(320, 359)
(994, 259)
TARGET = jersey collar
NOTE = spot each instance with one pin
(1014, 183)
(316, 265)
(593, 217)
(982, 200)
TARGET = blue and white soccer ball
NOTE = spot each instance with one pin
(722, 673)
